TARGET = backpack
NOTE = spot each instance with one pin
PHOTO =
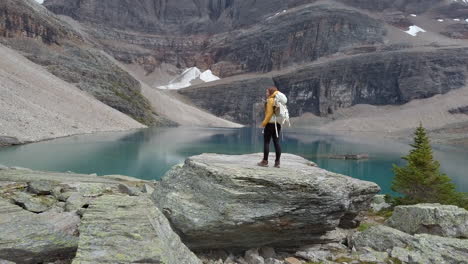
(281, 110)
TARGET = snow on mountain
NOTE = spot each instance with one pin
(414, 30)
(208, 76)
(40, 1)
(188, 77)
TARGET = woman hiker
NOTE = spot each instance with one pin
(269, 131)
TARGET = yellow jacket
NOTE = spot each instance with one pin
(269, 109)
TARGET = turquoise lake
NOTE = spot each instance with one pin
(150, 153)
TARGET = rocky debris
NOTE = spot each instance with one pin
(28, 238)
(213, 201)
(434, 219)
(94, 214)
(127, 229)
(8, 141)
(132, 191)
(321, 252)
(408, 6)
(63, 222)
(40, 187)
(379, 203)
(349, 156)
(420, 248)
(459, 110)
(33, 203)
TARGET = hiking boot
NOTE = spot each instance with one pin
(263, 163)
(277, 164)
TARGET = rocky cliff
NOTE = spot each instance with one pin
(392, 77)
(231, 37)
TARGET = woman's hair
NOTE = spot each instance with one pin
(272, 89)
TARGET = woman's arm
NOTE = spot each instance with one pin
(268, 111)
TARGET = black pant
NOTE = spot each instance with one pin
(269, 133)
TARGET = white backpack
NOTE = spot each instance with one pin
(281, 112)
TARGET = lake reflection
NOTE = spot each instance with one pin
(149, 153)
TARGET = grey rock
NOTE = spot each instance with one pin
(76, 201)
(252, 257)
(26, 238)
(66, 223)
(21, 169)
(126, 229)
(63, 197)
(267, 252)
(420, 248)
(379, 203)
(381, 238)
(2, 167)
(8, 141)
(374, 257)
(215, 200)
(2, 261)
(148, 189)
(31, 203)
(56, 192)
(231, 259)
(273, 261)
(132, 191)
(435, 219)
(313, 255)
(41, 187)
(241, 260)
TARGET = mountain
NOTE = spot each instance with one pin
(46, 40)
(329, 57)
(60, 59)
(36, 105)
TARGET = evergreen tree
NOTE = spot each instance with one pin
(421, 181)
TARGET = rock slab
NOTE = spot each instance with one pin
(124, 229)
(26, 238)
(435, 219)
(222, 201)
(420, 248)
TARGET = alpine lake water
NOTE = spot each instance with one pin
(149, 153)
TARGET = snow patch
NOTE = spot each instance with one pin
(456, 19)
(413, 15)
(463, 1)
(414, 30)
(40, 1)
(466, 20)
(208, 76)
(270, 17)
(440, 20)
(188, 77)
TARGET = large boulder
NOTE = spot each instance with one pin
(124, 229)
(222, 201)
(436, 219)
(420, 248)
(27, 238)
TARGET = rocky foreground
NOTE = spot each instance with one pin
(226, 210)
